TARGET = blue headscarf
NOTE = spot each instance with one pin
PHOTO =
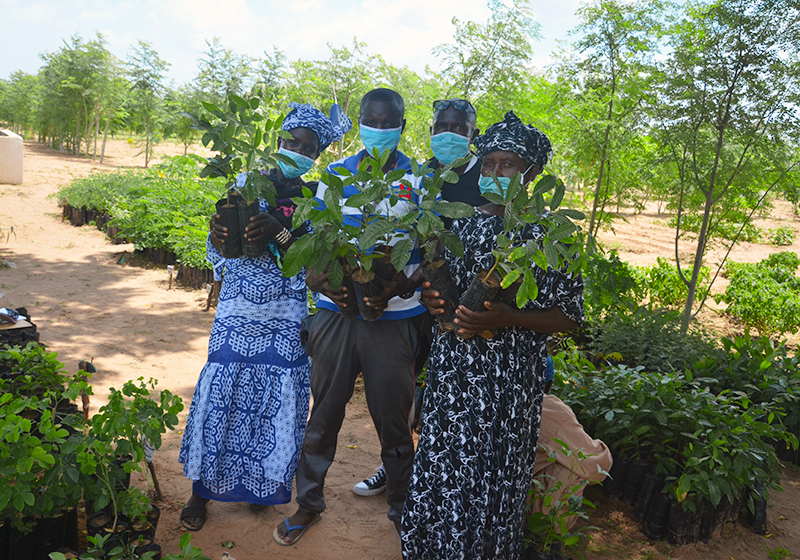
(512, 135)
(327, 129)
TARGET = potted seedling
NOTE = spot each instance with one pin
(246, 142)
(358, 251)
(555, 245)
(116, 447)
(547, 536)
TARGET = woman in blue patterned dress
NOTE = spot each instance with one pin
(248, 414)
(483, 402)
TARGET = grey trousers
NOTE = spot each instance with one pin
(384, 352)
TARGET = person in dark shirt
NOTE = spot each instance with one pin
(454, 128)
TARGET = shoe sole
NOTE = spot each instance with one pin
(366, 493)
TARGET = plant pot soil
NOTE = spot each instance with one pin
(706, 512)
(683, 526)
(438, 274)
(153, 516)
(97, 523)
(651, 485)
(151, 547)
(229, 218)
(250, 249)
(633, 482)
(618, 475)
(480, 290)
(656, 525)
(51, 532)
(364, 285)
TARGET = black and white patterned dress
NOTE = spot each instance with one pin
(482, 411)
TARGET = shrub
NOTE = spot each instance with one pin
(648, 338)
(784, 235)
(725, 230)
(165, 207)
(766, 295)
(665, 286)
(610, 285)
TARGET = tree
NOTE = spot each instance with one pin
(223, 72)
(146, 72)
(486, 56)
(728, 103)
(609, 84)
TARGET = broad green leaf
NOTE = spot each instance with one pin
(451, 242)
(561, 232)
(374, 231)
(510, 278)
(395, 175)
(401, 253)
(551, 254)
(335, 274)
(528, 290)
(450, 176)
(574, 214)
(558, 196)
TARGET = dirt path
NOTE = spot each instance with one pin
(88, 305)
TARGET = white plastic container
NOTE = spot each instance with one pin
(10, 158)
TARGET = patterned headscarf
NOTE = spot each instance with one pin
(512, 135)
(328, 129)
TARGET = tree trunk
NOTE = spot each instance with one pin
(698, 263)
(105, 136)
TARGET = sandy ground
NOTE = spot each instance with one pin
(88, 306)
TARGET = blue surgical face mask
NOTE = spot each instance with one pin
(487, 184)
(304, 164)
(381, 138)
(449, 146)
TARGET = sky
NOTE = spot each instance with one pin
(403, 32)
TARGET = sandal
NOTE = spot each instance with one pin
(290, 528)
(198, 512)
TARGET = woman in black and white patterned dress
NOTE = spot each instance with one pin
(473, 466)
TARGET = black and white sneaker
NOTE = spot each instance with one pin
(372, 486)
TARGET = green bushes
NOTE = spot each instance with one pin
(664, 284)
(166, 207)
(766, 295)
(783, 235)
(649, 338)
(51, 457)
(711, 429)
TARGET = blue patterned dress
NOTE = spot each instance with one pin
(248, 415)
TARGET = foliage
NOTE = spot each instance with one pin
(724, 229)
(550, 528)
(611, 286)
(98, 551)
(726, 101)
(145, 72)
(166, 207)
(783, 235)
(559, 247)
(650, 338)
(344, 241)
(766, 295)
(665, 286)
(237, 132)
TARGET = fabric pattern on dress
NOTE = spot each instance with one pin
(245, 428)
(473, 466)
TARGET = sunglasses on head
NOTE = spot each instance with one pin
(457, 104)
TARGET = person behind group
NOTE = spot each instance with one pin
(245, 427)
(565, 475)
(383, 350)
(453, 130)
(472, 469)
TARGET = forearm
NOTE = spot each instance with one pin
(547, 321)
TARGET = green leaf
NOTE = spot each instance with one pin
(574, 214)
(374, 231)
(551, 254)
(335, 274)
(451, 242)
(558, 196)
(454, 209)
(395, 175)
(561, 232)
(510, 278)
(401, 253)
(450, 176)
